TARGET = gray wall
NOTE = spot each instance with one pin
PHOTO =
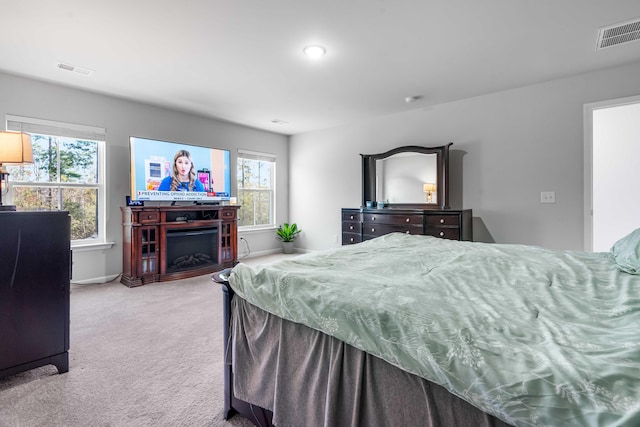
(122, 119)
(508, 147)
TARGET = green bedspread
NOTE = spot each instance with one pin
(533, 336)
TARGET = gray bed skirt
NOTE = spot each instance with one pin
(307, 378)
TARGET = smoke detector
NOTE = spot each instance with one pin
(411, 99)
(73, 68)
(620, 33)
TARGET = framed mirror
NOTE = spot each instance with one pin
(407, 177)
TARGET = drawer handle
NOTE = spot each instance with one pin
(351, 227)
(351, 239)
(441, 220)
(373, 218)
(373, 230)
(407, 232)
(351, 216)
(442, 234)
(406, 220)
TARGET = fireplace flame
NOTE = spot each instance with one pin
(192, 260)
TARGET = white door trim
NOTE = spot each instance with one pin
(588, 160)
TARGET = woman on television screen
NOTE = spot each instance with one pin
(183, 177)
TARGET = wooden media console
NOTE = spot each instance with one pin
(163, 243)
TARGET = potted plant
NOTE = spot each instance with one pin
(287, 234)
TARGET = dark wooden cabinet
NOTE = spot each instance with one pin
(363, 224)
(174, 242)
(35, 274)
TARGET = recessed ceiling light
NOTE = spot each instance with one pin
(314, 51)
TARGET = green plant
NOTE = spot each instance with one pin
(287, 233)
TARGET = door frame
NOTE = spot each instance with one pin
(588, 110)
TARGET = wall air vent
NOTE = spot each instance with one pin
(79, 70)
(616, 34)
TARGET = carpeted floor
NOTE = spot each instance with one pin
(145, 356)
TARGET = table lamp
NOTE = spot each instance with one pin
(428, 188)
(15, 149)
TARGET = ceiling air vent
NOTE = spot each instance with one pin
(618, 34)
(79, 70)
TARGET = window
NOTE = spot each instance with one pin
(66, 174)
(256, 189)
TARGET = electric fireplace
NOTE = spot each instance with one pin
(191, 248)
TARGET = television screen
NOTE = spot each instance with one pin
(170, 171)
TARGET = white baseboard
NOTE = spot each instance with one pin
(259, 253)
(270, 252)
(96, 280)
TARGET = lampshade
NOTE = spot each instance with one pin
(427, 187)
(15, 147)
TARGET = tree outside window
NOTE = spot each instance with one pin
(64, 176)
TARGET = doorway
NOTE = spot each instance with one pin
(612, 172)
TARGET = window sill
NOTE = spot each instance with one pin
(85, 247)
(249, 229)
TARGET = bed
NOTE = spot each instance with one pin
(416, 330)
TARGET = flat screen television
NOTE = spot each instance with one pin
(206, 172)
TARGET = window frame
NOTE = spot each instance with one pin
(265, 157)
(73, 131)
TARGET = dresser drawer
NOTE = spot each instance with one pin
(351, 227)
(351, 238)
(374, 230)
(443, 220)
(452, 233)
(351, 216)
(148, 217)
(396, 219)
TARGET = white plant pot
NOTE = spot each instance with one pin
(287, 247)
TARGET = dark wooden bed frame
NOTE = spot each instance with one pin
(232, 405)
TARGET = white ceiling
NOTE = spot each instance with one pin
(242, 60)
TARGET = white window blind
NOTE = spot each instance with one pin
(253, 155)
(50, 127)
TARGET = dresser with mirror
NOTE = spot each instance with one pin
(406, 190)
